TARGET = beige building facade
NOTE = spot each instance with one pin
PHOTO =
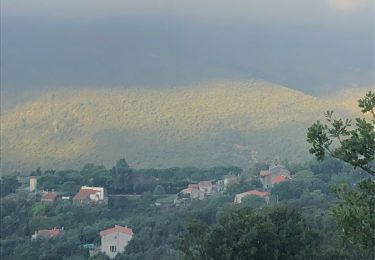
(114, 240)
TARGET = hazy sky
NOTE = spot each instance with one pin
(296, 10)
(307, 45)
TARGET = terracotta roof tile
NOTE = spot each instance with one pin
(187, 190)
(259, 193)
(193, 186)
(205, 183)
(49, 233)
(49, 196)
(84, 193)
(278, 179)
(117, 228)
(264, 173)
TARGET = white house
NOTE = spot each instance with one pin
(114, 240)
(88, 195)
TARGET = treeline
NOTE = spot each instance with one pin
(121, 179)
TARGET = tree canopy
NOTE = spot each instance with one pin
(355, 212)
(277, 232)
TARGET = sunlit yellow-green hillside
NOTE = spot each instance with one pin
(220, 123)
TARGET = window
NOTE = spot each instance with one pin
(112, 248)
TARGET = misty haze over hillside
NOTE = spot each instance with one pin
(226, 123)
(312, 47)
(91, 48)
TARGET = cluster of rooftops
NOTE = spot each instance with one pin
(50, 233)
(86, 195)
(113, 240)
(114, 244)
(274, 175)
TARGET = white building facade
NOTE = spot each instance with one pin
(33, 183)
(114, 240)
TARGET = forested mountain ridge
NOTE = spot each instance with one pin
(218, 123)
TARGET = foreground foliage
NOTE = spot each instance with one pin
(275, 232)
(355, 146)
(355, 213)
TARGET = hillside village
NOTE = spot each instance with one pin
(275, 174)
(115, 239)
(126, 213)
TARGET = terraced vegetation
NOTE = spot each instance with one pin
(215, 124)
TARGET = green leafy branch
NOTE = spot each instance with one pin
(338, 138)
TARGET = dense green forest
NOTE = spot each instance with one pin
(297, 223)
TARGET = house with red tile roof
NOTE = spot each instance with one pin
(275, 174)
(206, 187)
(47, 233)
(49, 197)
(199, 190)
(90, 195)
(114, 240)
(193, 186)
(194, 192)
(262, 194)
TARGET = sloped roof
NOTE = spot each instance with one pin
(187, 190)
(264, 173)
(49, 196)
(259, 193)
(205, 183)
(278, 179)
(193, 186)
(49, 233)
(84, 193)
(116, 229)
(278, 170)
